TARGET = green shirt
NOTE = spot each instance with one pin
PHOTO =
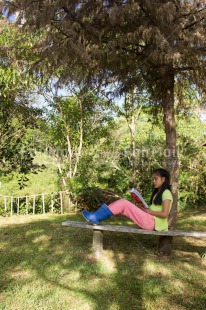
(161, 223)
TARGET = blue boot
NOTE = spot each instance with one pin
(101, 214)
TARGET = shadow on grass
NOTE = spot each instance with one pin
(129, 276)
(62, 258)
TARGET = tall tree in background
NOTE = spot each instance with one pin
(16, 112)
(77, 122)
(123, 40)
(130, 110)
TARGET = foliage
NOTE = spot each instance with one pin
(77, 123)
(123, 41)
(91, 198)
(192, 161)
(16, 113)
(110, 166)
(132, 35)
(107, 163)
(106, 156)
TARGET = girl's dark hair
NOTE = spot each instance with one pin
(166, 185)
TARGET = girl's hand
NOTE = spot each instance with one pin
(147, 211)
(142, 207)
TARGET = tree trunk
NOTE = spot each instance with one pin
(132, 115)
(133, 148)
(69, 148)
(60, 171)
(78, 155)
(170, 152)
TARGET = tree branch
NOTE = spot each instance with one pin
(194, 23)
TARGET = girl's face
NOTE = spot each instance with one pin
(157, 180)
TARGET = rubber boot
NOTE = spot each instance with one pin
(95, 217)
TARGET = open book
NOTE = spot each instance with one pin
(138, 197)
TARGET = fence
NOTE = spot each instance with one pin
(37, 203)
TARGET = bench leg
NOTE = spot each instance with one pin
(165, 245)
(97, 243)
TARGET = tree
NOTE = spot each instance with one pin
(16, 113)
(76, 124)
(130, 110)
(125, 41)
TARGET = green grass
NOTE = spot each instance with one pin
(45, 265)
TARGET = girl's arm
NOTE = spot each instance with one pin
(165, 210)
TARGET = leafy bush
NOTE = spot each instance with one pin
(91, 198)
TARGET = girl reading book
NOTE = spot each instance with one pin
(153, 218)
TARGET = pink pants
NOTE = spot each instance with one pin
(128, 209)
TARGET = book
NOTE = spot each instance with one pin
(138, 197)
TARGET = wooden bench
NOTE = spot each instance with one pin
(165, 240)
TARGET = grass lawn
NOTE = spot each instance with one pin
(44, 265)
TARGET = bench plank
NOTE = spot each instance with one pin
(136, 230)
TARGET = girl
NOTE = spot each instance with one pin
(154, 218)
